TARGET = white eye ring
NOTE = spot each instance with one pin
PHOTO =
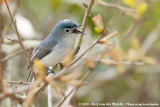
(66, 30)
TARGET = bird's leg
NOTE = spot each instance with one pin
(54, 69)
(58, 67)
(50, 70)
(61, 65)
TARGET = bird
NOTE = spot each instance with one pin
(52, 49)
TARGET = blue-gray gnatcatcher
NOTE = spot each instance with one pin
(54, 47)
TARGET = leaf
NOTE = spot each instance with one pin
(75, 82)
(142, 8)
(90, 62)
(116, 54)
(132, 55)
(107, 61)
(130, 3)
(71, 76)
(139, 5)
(39, 68)
(97, 20)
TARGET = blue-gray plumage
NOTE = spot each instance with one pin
(54, 47)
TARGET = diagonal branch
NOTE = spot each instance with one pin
(19, 37)
(84, 23)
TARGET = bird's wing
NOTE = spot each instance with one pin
(40, 52)
(43, 49)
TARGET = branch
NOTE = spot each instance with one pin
(84, 23)
(130, 30)
(12, 55)
(77, 87)
(150, 39)
(19, 38)
(18, 82)
(49, 96)
(118, 7)
(86, 51)
(11, 92)
(1, 52)
(65, 97)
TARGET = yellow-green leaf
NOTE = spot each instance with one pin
(97, 20)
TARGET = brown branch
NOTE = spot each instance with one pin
(18, 82)
(1, 77)
(19, 38)
(84, 23)
(1, 41)
(13, 40)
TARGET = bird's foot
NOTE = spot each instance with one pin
(50, 70)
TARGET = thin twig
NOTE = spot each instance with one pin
(1, 41)
(86, 51)
(18, 82)
(13, 54)
(65, 97)
(13, 40)
(150, 39)
(129, 31)
(119, 7)
(19, 38)
(1, 77)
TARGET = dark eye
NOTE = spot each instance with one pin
(66, 30)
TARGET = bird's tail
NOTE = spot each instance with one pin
(28, 78)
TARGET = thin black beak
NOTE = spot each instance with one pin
(75, 30)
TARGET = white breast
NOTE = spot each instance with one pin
(59, 52)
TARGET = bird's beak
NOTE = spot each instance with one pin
(75, 30)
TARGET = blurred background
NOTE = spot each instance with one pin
(133, 74)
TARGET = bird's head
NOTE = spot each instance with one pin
(67, 28)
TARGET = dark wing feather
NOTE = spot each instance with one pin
(43, 49)
(40, 52)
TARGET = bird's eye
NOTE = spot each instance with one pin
(66, 30)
